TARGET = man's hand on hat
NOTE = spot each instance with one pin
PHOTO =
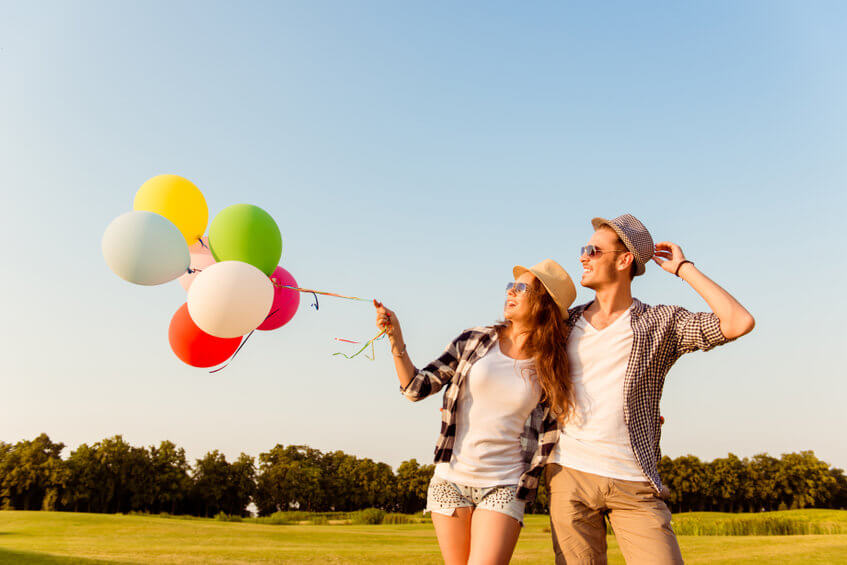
(669, 256)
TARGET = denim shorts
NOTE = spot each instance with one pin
(443, 497)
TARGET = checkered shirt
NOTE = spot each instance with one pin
(661, 335)
(541, 430)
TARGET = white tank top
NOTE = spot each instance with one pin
(498, 395)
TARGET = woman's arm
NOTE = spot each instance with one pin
(418, 384)
(386, 319)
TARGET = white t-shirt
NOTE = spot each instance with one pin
(497, 397)
(594, 438)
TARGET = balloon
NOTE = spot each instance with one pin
(243, 232)
(145, 248)
(196, 347)
(285, 302)
(201, 257)
(230, 298)
(178, 200)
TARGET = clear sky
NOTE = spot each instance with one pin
(415, 152)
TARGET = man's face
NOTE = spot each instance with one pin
(600, 270)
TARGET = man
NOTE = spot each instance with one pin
(619, 349)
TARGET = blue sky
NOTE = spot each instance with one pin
(415, 152)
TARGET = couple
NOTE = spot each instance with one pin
(573, 391)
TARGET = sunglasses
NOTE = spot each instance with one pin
(590, 251)
(518, 287)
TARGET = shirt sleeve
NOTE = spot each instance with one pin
(433, 377)
(697, 331)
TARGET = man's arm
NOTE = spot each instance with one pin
(735, 319)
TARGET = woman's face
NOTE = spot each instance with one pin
(518, 307)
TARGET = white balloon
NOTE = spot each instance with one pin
(230, 299)
(145, 248)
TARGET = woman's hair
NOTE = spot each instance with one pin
(546, 344)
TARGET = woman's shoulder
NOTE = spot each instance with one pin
(483, 330)
(477, 333)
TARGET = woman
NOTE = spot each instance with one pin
(507, 387)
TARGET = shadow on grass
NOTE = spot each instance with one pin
(10, 556)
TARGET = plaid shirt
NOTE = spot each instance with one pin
(541, 430)
(661, 335)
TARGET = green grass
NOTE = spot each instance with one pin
(64, 538)
(786, 522)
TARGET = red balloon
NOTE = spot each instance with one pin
(286, 300)
(196, 347)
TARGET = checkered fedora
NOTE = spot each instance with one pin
(634, 235)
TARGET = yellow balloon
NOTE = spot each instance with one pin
(178, 200)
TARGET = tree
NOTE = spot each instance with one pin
(32, 474)
(726, 478)
(412, 484)
(122, 476)
(171, 483)
(211, 474)
(763, 473)
(241, 485)
(84, 481)
(838, 497)
(804, 479)
(5, 467)
(289, 477)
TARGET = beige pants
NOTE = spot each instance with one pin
(579, 503)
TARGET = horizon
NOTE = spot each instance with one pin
(414, 153)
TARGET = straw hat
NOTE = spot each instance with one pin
(555, 279)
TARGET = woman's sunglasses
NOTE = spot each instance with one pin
(518, 287)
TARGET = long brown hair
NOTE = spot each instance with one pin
(546, 344)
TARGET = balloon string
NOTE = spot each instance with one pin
(200, 239)
(370, 343)
(348, 341)
(222, 367)
(240, 346)
(316, 292)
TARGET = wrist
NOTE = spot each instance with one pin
(398, 350)
(681, 265)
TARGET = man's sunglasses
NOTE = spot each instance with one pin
(590, 251)
(518, 287)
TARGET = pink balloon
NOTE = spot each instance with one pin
(201, 257)
(285, 303)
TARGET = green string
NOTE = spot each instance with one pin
(367, 343)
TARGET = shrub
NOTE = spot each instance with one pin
(224, 517)
(368, 516)
(281, 518)
(395, 518)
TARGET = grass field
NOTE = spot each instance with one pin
(65, 538)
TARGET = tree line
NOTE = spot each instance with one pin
(113, 476)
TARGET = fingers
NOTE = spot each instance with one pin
(384, 316)
(669, 247)
(663, 254)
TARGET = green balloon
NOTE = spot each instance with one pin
(243, 232)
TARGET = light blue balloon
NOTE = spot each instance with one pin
(145, 248)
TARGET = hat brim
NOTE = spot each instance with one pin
(518, 270)
(596, 223)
